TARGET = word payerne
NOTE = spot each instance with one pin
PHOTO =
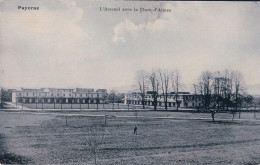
(28, 8)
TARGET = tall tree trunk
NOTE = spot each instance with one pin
(177, 104)
(166, 101)
(155, 103)
(213, 116)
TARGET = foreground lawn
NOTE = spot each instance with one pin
(46, 139)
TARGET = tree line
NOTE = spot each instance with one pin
(159, 83)
(220, 90)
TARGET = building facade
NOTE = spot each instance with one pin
(185, 99)
(60, 95)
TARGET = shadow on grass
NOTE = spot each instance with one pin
(223, 122)
(10, 158)
(183, 146)
(241, 123)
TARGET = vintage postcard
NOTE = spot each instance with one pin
(129, 82)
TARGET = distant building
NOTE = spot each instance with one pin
(58, 95)
(101, 91)
(185, 99)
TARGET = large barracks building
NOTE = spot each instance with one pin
(59, 95)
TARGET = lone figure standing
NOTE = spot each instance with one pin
(135, 130)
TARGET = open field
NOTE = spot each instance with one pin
(163, 138)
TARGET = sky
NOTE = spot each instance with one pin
(71, 43)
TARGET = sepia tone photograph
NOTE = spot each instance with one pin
(129, 82)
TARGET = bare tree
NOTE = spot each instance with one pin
(5, 97)
(227, 88)
(154, 81)
(97, 101)
(93, 141)
(112, 97)
(164, 80)
(142, 85)
(237, 82)
(205, 88)
(88, 100)
(104, 98)
(195, 91)
(176, 85)
(205, 82)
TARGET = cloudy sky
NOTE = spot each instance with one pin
(71, 43)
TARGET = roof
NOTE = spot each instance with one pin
(101, 90)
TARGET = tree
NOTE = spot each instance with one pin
(205, 82)
(227, 88)
(142, 85)
(112, 97)
(223, 89)
(104, 98)
(154, 81)
(97, 101)
(93, 141)
(248, 100)
(237, 82)
(205, 88)
(164, 80)
(176, 85)
(195, 91)
(217, 90)
(5, 97)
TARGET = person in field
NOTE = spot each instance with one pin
(135, 130)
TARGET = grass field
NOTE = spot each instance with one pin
(46, 139)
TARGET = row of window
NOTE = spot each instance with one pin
(61, 90)
(70, 95)
(193, 98)
(169, 97)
